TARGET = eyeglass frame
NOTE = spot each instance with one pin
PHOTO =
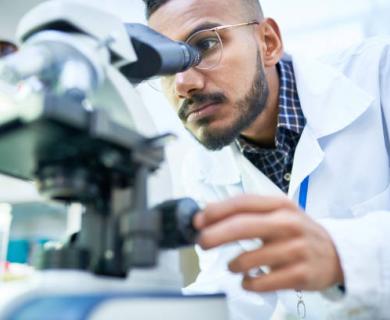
(216, 29)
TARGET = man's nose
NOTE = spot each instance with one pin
(188, 82)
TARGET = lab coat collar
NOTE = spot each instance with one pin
(329, 100)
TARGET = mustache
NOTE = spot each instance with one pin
(197, 100)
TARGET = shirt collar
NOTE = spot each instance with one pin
(290, 113)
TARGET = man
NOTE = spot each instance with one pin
(317, 131)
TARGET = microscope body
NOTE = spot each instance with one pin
(78, 128)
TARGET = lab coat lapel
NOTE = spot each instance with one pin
(308, 156)
(330, 102)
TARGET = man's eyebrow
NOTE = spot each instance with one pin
(203, 26)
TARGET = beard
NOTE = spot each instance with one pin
(248, 109)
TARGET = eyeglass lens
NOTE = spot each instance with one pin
(209, 44)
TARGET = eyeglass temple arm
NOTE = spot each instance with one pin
(234, 25)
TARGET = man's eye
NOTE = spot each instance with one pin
(207, 45)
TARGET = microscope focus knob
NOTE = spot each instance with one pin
(177, 229)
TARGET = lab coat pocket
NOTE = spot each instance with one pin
(378, 202)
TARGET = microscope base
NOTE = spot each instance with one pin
(142, 306)
(73, 295)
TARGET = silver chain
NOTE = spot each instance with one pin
(301, 307)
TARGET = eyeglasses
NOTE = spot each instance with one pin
(210, 45)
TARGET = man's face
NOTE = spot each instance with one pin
(215, 105)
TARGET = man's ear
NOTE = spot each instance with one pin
(271, 42)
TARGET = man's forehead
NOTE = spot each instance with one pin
(177, 18)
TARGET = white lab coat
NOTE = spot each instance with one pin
(344, 148)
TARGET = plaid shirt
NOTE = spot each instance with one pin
(277, 163)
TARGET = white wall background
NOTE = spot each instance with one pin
(312, 27)
(323, 26)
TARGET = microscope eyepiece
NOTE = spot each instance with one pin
(157, 55)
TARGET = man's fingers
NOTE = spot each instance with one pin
(249, 226)
(294, 276)
(215, 212)
(273, 255)
(240, 227)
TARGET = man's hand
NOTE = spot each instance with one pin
(299, 251)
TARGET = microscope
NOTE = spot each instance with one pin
(78, 129)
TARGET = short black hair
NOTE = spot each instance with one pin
(152, 6)
(253, 6)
